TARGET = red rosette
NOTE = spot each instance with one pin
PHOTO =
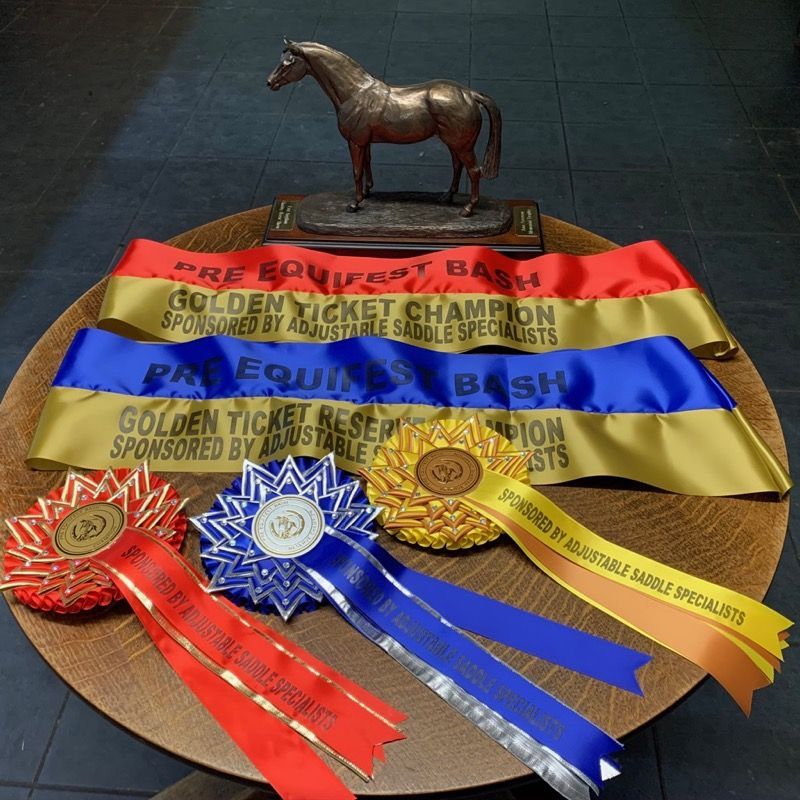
(44, 578)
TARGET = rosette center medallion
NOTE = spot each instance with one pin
(449, 471)
(287, 527)
(88, 529)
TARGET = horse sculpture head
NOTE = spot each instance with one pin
(292, 67)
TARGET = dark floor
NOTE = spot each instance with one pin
(676, 119)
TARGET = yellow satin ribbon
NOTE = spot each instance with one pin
(159, 309)
(542, 519)
(182, 435)
(499, 501)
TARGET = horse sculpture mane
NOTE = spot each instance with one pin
(313, 51)
(369, 110)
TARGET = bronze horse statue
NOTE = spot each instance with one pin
(369, 110)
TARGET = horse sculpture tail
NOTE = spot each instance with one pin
(491, 158)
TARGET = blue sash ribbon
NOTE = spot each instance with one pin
(650, 376)
(538, 636)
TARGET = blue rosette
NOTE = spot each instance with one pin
(234, 562)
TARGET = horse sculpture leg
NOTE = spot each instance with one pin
(467, 158)
(447, 197)
(368, 170)
(357, 157)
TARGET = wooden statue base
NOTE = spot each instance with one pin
(397, 217)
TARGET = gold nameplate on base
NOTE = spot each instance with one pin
(521, 239)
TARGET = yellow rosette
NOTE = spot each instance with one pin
(455, 483)
(410, 474)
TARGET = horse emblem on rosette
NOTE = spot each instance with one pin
(369, 111)
(447, 471)
(88, 528)
(287, 525)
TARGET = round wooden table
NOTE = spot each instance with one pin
(108, 659)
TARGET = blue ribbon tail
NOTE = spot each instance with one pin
(487, 681)
(538, 636)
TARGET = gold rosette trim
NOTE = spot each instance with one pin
(418, 475)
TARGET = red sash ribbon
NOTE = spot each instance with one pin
(291, 766)
(272, 674)
(638, 269)
(453, 300)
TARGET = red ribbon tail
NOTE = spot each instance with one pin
(283, 757)
(249, 652)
